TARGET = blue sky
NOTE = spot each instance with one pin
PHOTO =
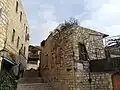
(45, 15)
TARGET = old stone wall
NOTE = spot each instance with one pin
(64, 66)
(92, 40)
(100, 81)
(95, 49)
(58, 51)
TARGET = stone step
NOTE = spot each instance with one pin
(30, 80)
(31, 73)
(34, 86)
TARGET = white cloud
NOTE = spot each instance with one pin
(113, 30)
(105, 18)
(48, 14)
(43, 15)
(47, 27)
(40, 31)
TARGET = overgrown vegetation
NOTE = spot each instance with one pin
(72, 22)
(67, 24)
(7, 81)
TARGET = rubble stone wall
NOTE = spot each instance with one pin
(92, 40)
(100, 81)
(59, 49)
(64, 67)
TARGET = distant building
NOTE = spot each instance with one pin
(33, 57)
(66, 56)
(14, 34)
(113, 46)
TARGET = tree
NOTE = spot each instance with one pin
(72, 22)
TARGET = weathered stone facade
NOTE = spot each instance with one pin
(63, 64)
(92, 40)
(13, 19)
(56, 54)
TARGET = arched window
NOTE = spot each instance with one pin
(16, 6)
(26, 29)
(13, 35)
(20, 16)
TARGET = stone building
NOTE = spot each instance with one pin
(65, 59)
(33, 57)
(14, 33)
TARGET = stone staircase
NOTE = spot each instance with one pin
(31, 81)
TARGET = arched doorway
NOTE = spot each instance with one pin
(116, 81)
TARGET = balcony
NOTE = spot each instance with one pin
(33, 57)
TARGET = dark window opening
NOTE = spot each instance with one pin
(0, 12)
(24, 50)
(69, 69)
(82, 52)
(21, 46)
(26, 29)
(19, 52)
(20, 16)
(13, 35)
(17, 6)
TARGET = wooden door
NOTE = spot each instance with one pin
(116, 82)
